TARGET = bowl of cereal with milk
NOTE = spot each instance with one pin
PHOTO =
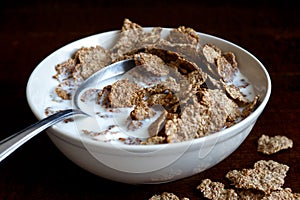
(189, 101)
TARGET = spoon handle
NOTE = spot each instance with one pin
(11, 143)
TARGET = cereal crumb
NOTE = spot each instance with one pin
(266, 176)
(216, 190)
(250, 194)
(269, 145)
(282, 194)
(141, 111)
(211, 52)
(90, 60)
(274, 195)
(123, 93)
(167, 196)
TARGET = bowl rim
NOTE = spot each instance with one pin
(151, 147)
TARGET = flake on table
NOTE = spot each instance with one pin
(216, 191)
(269, 145)
(167, 196)
(266, 176)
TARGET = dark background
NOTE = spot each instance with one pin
(30, 30)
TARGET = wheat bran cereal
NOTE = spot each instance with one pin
(187, 125)
(141, 111)
(71, 73)
(154, 140)
(216, 191)
(227, 109)
(65, 89)
(122, 93)
(263, 182)
(284, 194)
(167, 196)
(191, 82)
(152, 64)
(269, 145)
(235, 93)
(250, 107)
(158, 124)
(90, 60)
(266, 176)
(187, 51)
(225, 69)
(250, 194)
(133, 37)
(211, 52)
(183, 35)
(64, 70)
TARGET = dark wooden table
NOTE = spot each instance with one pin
(30, 30)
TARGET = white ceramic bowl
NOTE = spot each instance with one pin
(139, 164)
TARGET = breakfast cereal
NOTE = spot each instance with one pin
(198, 88)
(216, 191)
(282, 194)
(263, 182)
(167, 196)
(270, 145)
(285, 193)
(266, 176)
(133, 37)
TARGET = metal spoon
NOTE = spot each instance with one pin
(11, 143)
